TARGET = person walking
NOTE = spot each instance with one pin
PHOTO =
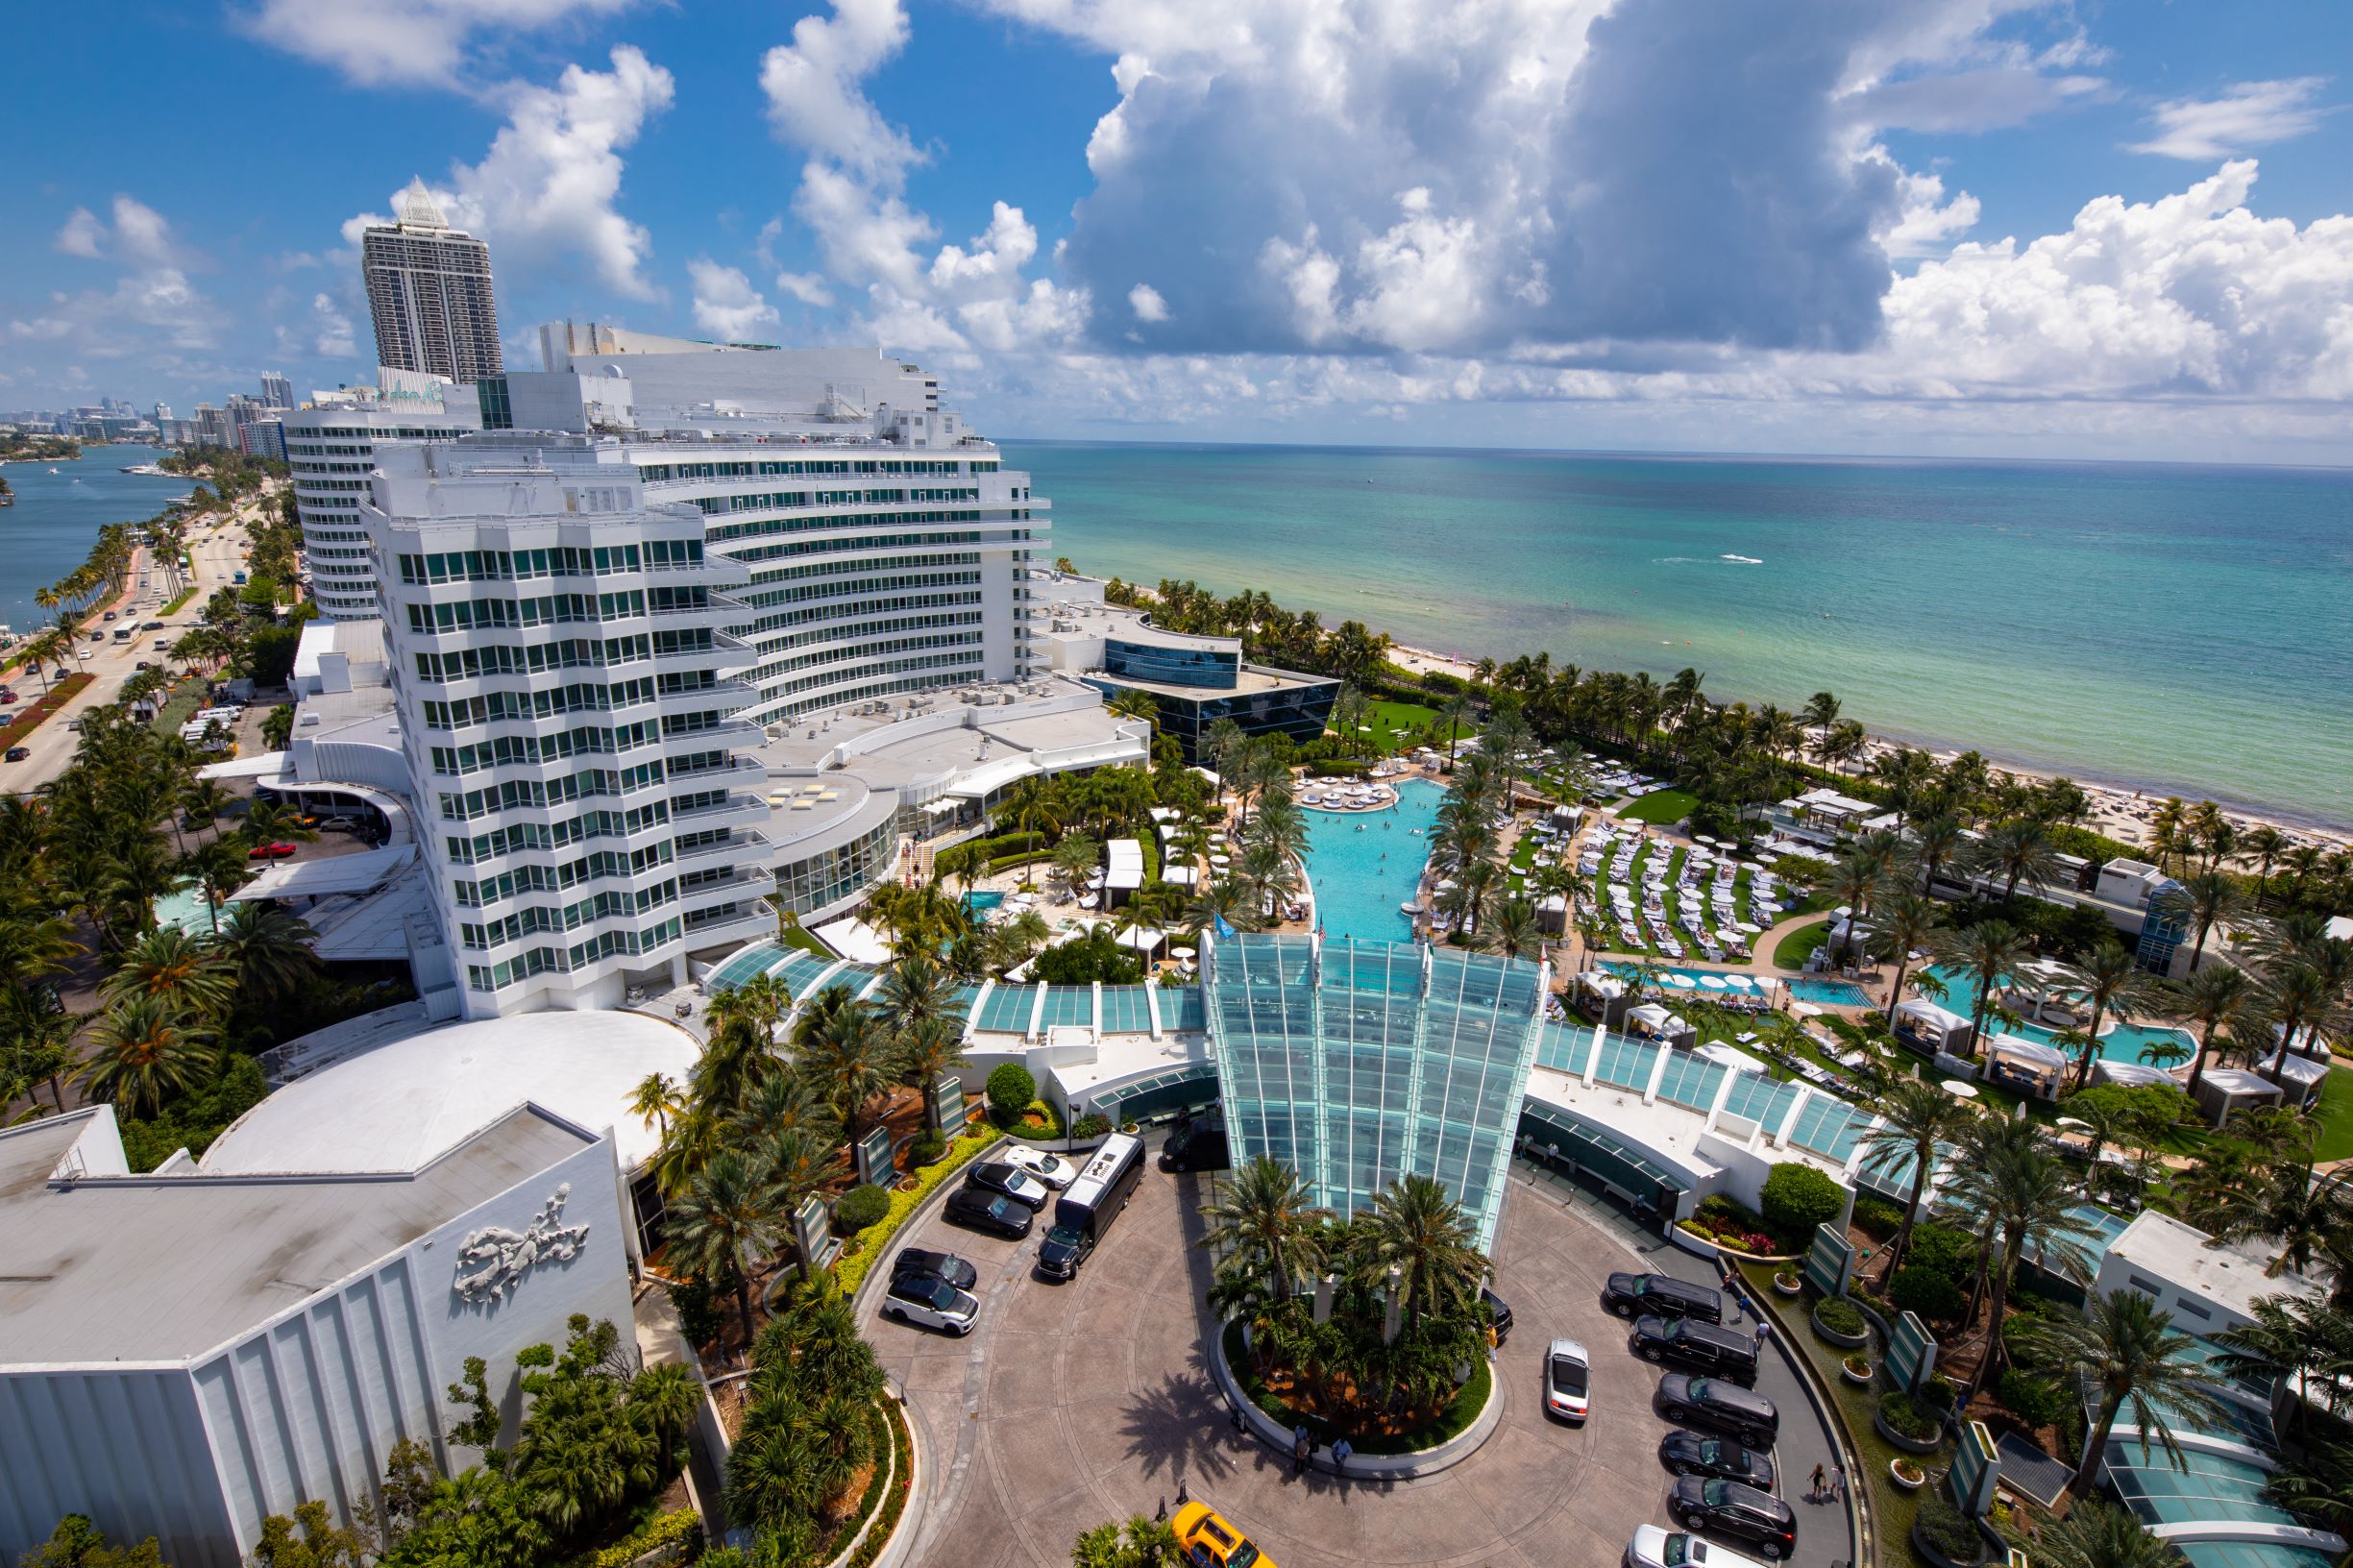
(1341, 1451)
(1838, 1483)
(1299, 1448)
(1813, 1490)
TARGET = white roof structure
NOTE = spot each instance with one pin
(362, 872)
(396, 1107)
(2131, 1074)
(1123, 864)
(855, 940)
(1732, 1056)
(1943, 1019)
(2160, 1247)
(2018, 1048)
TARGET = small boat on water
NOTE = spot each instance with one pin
(1744, 561)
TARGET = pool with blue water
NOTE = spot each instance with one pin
(2119, 1040)
(1364, 865)
(983, 903)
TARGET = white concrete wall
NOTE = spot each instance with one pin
(128, 1449)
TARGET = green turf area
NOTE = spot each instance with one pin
(1793, 950)
(1395, 725)
(185, 594)
(2335, 1115)
(797, 937)
(181, 706)
(1664, 807)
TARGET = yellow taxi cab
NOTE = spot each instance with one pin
(1208, 1541)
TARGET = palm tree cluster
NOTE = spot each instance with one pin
(1270, 634)
(810, 1427)
(1415, 1243)
(758, 1131)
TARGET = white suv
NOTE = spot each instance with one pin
(930, 1302)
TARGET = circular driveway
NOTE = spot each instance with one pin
(1073, 1405)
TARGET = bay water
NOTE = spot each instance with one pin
(56, 517)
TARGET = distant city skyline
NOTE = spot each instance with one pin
(2016, 230)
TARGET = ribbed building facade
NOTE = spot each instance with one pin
(330, 451)
(429, 292)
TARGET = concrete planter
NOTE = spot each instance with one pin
(1788, 1285)
(1912, 1482)
(1426, 1461)
(1910, 1445)
(1831, 1337)
(1859, 1375)
(1930, 1555)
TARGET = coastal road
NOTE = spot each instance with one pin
(218, 553)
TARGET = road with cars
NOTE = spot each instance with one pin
(1069, 1404)
(218, 551)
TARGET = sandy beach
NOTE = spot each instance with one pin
(2118, 812)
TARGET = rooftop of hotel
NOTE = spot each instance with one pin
(122, 1268)
(2184, 1256)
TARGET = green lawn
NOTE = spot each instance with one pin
(1395, 725)
(2335, 1115)
(1665, 807)
(1793, 950)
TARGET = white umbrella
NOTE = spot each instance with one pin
(1738, 982)
(1181, 952)
(1682, 981)
(1701, 838)
(1713, 982)
(1959, 1090)
(1752, 928)
(1805, 1009)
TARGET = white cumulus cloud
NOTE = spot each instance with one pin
(1146, 301)
(2249, 114)
(420, 42)
(332, 328)
(726, 303)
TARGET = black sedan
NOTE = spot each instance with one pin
(945, 1265)
(1689, 1454)
(1743, 1513)
(987, 1211)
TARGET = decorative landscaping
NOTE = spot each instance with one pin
(1841, 1323)
(28, 719)
(859, 1252)
(1409, 1432)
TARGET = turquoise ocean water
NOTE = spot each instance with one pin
(2158, 626)
(56, 517)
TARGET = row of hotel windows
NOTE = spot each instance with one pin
(534, 920)
(563, 654)
(857, 587)
(953, 667)
(558, 878)
(588, 784)
(580, 696)
(828, 613)
(869, 629)
(827, 571)
(505, 750)
(770, 687)
(540, 838)
(722, 534)
(556, 609)
(872, 541)
(562, 560)
(831, 876)
(767, 468)
(559, 959)
(788, 500)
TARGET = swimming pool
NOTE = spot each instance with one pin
(2119, 1040)
(1364, 865)
(1697, 988)
(982, 902)
(1807, 987)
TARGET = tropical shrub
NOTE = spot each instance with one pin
(1840, 1316)
(1094, 1125)
(1907, 1415)
(1945, 1530)
(1877, 1217)
(2037, 1402)
(1727, 1220)
(810, 1426)
(1010, 1089)
(699, 1310)
(858, 1207)
(1943, 1249)
(1920, 1290)
(1797, 1198)
(868, 1245)
(924, 1148)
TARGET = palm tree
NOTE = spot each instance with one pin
(2112, 980)
(1130, 703)
(1074, 857)
(1908, 921)
(1266, 1218)
(791, 1166)
(926, 1051)
(169, 966)
(1510, 928)
(1225, 899)
(2202, 900)
(147, 1051)
(2020, 1192)
(1422, 1234)
(1938, 842)
(719, 1224)
(2318, 1485)
(39, 1032)
(219, 867)
(1986, 952)
(269, 948)
(1451, 712)
(2301, 1344)
(2097, 1534)
(655, 1100)
(848, 1055)
(2210, 999)
(2293, 1211)
(1915, 1118)
(2018, 849)
(2129, 1350)
(2266, 844)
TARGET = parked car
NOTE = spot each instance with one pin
(1661, 1295)
(1745, 1514)
(999, 1176)
(1703, 1347)
(987, 1211)
(1052, 1169)
(945, 1265)
(1654, 1548)
(340, 824)
(109, 615)
(18, 753)
(928, 1301)
(1690, 1453)
(1720, 1405)
(269, 851)
(1568, 1376)
(1499, 1313)
(1205, 1540)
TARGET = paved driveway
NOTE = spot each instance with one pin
(1076, 1404)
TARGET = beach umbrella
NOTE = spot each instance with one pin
(1738, 982)
(1682, 982)
(1963, 1091)
(1713, 982)
(1805, 1009)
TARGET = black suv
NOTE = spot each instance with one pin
(987, 1211)
(1702, 1347)
(1688, 1453)
(1727, 1508)
(1661, 1295)
(1721, 1407)
(1499, 1313)
(945, 1265)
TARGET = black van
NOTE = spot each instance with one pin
(1197, 1144)
(1720, 1407)
(1089, 1204)
(1661, 1295)
(1702, 1347)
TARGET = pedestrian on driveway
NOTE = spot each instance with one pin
(1299, 1454)
(1813, 1491)
(1838, 1483)
(1762, 1330)
(1340, 1452)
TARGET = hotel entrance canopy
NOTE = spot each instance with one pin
(1357, 1062)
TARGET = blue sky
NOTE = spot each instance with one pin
(1964, 226)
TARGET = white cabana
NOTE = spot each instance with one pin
(2026, 1065)
(1732, 1056)
(2222, 1091)
(1928, 1028)
(1655, 1022)
(2300, 1077)
(1145, 939)
(2130, 1074)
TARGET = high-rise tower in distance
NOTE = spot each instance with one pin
(429, 290)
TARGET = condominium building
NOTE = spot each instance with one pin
(277, 391)
(428, 291)
(330, 448)
(570, 707)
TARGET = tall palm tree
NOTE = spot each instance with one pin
(846, 1053)
(2112, 980)
(792, 1166)
(171, 966)
(1908, 921)
(39, 1032)
(2211, 999)
(2097, 1534)
(1987, 952)
(718, 1224)
(1937, 840)
(1225, 899)
(2290, 1338)
(2295, 1211)
(2018, 849)
(926, 1051)
(2129, 1351)
(655, 1100)
(1422, 1233)
(1915, 1118)
(2203, 901)
(1510, 928)
(146, 1052)
(269, 948)
(219, 867)
(2009, 1179)
(2266, 844)
(1266, 1218)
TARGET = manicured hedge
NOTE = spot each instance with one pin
(868, 1244)
(678, 1525)
(28, 719)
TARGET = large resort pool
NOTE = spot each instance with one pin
(1366, 866)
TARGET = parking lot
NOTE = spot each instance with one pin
(1071, 1404)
